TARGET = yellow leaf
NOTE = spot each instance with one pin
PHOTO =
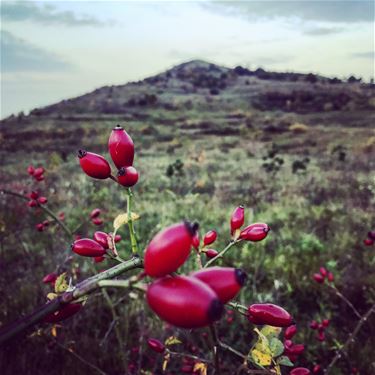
(201, 367)
(260, 358)
(262, 344)
(54, 331)
(61, 284)
(172, 340)
(51, 296)
(166, 360)
(123, 219)
(270, 331)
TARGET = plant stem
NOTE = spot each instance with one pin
(350, 339)
(177, 354)
(221, 254)
(340, 295)
(133, 238)
(83, 288)
(215, 351)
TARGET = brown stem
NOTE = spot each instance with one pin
(350, 339)
(340, 295)
(83, 288)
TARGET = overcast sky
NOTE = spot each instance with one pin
(52, 50)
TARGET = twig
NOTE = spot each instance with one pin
(340, 295)
(350, 339)
(215, 351)
(81, 358)
(177, 354)
(133, 237)
(85, 287)
(104, 339)
(221, 254)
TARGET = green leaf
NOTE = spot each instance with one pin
(285, 361)
(270, 331)
(276, 346)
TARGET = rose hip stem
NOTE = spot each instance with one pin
(221, 254)
(133, 236)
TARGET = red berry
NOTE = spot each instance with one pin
(255, 232)
(290, 332)
(30, 170)
(169, 249)
(39, 178)
(237, 219)
(156, 345)
(314, 324)
(88, 248)
(330, 277)
(32, 203)
(318, 278)
(95, 213)
(34, 195)
(99, 259)
(226, 282)
(121, 147)
(127, 176)
(296, 349)
(211, 253)
(209, 237)
(97, 221)
(321, 336)
(39, 227)
(267, 313)
(196, 241)
(45, 223)
(117, 238)
(325, 323)
(101, 238)
(94, 165)
(65, 312)
(50, 278)
(371, 235)
(316, 369)
(38, 172)
(300, 371)
(323, 271)
(62, 216)
(184, 301)
(288, 344)
(42, 200)
(368, 242)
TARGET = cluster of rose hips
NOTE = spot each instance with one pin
(322, 275)
(121, 149)
(97, 248)
(36, 200)
(37, 173)
(291, 350)
(94, 216)
(370, 240)
(320, 327)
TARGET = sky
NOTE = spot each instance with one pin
(53, 50)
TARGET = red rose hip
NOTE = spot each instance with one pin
(184, 301)
(267, 313)
(88, 248)
(65, 312)
(156, 345)
(169, 249)
(209, 237)
(101, 238)
(127, 176)
(300, 371)
(290, 332)
(211, 253)
(255, 232)
(121, 147)
(318, 278)
(226, 282)
(237, 219)
(94, 165)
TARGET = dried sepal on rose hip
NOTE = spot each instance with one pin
(121, 147)
(255, 232)
(270, 314)
(88, 248)
(127, 176)
(184, 301)
(169, 249)
(94, 165)
(226, 282)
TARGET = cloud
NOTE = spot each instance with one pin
(346, 11)
(317, 31)
(43, 13)
(364, 55)
(19, 55)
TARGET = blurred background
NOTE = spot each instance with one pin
(269, 104)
